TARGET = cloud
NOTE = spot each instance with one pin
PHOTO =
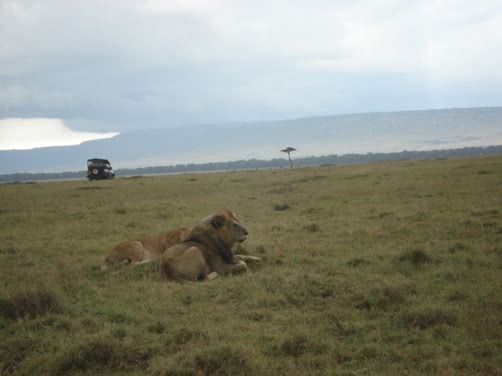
(157, 63)
(24, 134)
(385, 34)
(15, 96)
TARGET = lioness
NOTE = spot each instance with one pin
(146, 249)
(207, 250)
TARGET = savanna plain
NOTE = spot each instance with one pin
(374, 269)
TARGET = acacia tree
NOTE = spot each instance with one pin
(288, 150)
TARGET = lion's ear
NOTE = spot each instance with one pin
(218, 221)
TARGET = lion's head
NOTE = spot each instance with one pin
(228, 227)
(220, 231)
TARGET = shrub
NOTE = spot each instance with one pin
(457, 295)
(299, 345)
(99, 355)
(424, 320)
(281, 207)
(221, 361)
(119, 333)
(92, 188)
(282, 189)
(312, 178)
(55, 322)
(357, 262)
(309, 290)
(458, 247)
(12, 353)
(158, 328)
(31, 303)
(382, 299)
(312, 228)
(118, 317)
(416, 257)
(183, 336)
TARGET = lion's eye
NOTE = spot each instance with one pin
(236, 225)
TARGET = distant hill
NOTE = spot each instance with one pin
(340, 134)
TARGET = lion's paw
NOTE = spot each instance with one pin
(212, 276)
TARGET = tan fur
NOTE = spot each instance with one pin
(207, 250)
(146, 249)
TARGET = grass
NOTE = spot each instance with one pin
(384, 268)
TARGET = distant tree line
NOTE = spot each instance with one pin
(332, 159)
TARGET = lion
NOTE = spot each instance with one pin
(144, 250)
(206, 252)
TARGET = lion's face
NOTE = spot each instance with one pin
(228, 227)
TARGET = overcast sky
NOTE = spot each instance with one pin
(114, 66)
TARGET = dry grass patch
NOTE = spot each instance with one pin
(120, 211)
(313, 227)
(101, 355)
(385, 298)
(307, 179)
(32, 303)
(223, 360)
(92, 188)
(417, 257)
(298, 345)
(157, 328)
(355, 262)
(458, 247)
(427, 319)
(180, 337)
(282, 189)
(12, 353)
(281, 207)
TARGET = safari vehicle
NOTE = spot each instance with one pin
(98, 168)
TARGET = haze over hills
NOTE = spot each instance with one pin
(338, 134)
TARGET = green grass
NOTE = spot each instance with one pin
(373, 269)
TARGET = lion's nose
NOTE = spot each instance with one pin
(246, 232)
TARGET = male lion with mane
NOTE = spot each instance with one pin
(146, 249)
(207, 250)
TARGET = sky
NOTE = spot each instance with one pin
(77, 69)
